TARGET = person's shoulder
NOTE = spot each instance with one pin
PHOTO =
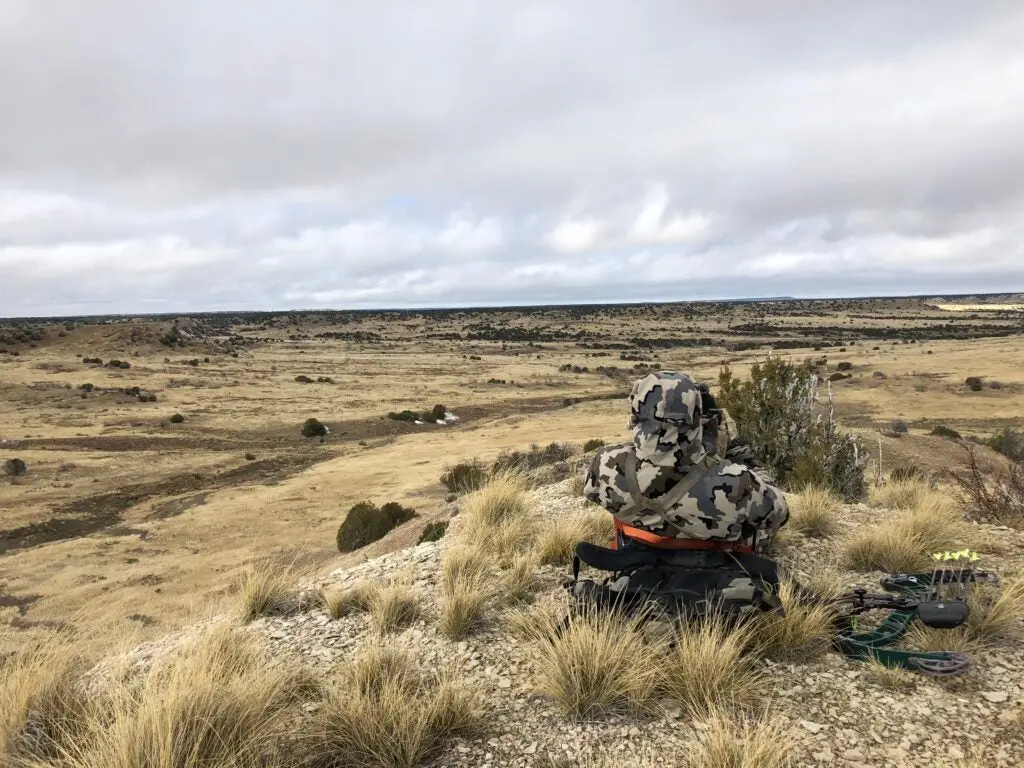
(608, 454)
(725, 468)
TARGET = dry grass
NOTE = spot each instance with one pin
(710, 667)
(519, 580)
(726, 743)
(579, 482)
(589, 665)
(560, 536)
(815, 512)
(804, 631)
(339, 602)
(393, 607)
(997, 615)
(891, 678)
(267, 587)
(899, 494)
(463, 563)
(466, 590)
(217, 702)
(905, 542)
(384, 712)
(44, 709)
(496, 518)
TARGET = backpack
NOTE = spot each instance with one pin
(677, 584)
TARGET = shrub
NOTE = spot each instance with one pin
(1009, 442)
(949, 433)
(437, 413)
(878, 374)
(973, 383)
(409, 416)
(775, 411)
(366, 523)
(15, 467)
(313, 428)
(303, 379)
(250, 457)
(991, 494)
(593, 444)
(844, 366)
(177, 418)
(433, 531)
(465, 477)
(896, 428)
(86, 387)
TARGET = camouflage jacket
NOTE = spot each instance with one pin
(726, 501)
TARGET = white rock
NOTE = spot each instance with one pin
(996, 697)
(812, 727)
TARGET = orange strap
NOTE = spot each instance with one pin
(666, 542)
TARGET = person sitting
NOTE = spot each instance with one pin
(675, 486)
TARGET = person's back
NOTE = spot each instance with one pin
(666, 490)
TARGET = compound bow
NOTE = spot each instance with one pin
(937, 599)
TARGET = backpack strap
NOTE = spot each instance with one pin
(663, 503)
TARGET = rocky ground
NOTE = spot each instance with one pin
(835, 712)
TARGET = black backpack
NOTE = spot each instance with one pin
(682, 584)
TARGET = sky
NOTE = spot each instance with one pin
(213, 155)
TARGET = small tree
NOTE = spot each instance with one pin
(313, 428)
(15, 467)
(799, 443)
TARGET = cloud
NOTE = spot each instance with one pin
(203, 154)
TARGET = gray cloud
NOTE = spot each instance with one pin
(214, 153)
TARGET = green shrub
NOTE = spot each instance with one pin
(436, 414)
(176, 419)
(974, 383)
(14, 467)
(465, 477)
(1009, 442)
(775, 411)
(313, 428)
(896, 428)
(366, 523)
(302, 379)
(398, 514)
(593, 444)
(844, 366)
(433, 531)
(409, 416)
(947, 432)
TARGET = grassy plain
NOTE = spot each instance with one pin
(127, 525)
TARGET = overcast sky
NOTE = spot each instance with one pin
(160, 156)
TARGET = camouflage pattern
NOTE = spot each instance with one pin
(729, 501)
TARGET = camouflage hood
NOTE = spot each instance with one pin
(666, 420)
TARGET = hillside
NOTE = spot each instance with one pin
(817, 706)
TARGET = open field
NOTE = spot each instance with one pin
(129, 525)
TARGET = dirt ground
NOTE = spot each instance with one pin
(127, 525)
